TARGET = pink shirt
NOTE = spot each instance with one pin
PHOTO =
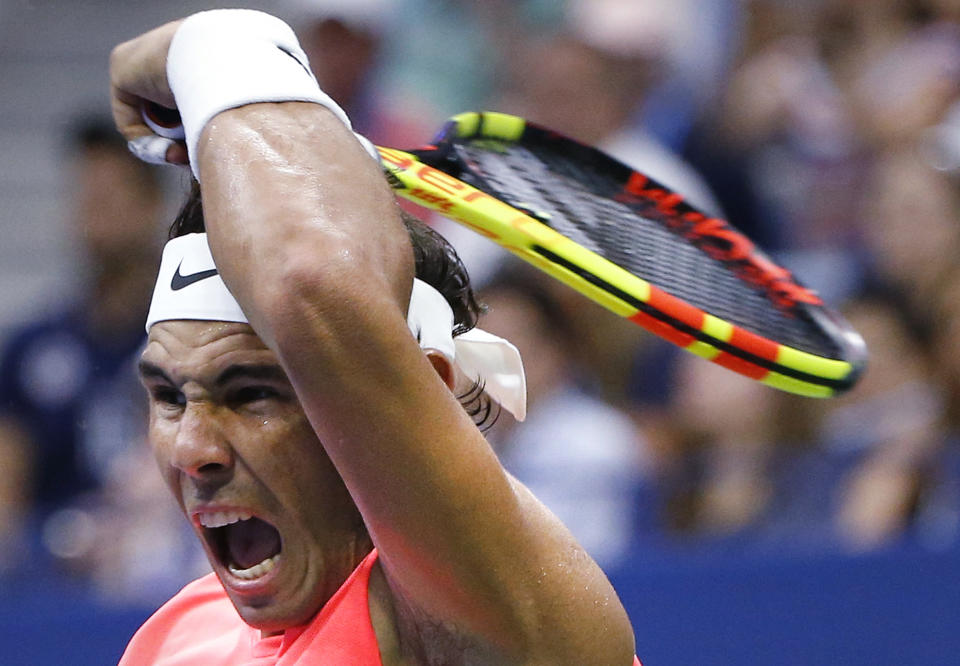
(199, 626)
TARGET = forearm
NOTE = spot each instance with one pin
(293, 202)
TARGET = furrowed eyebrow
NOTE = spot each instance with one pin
(243, 371)
(148, 370)
(253, 371)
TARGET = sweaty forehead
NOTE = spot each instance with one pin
(201, 350)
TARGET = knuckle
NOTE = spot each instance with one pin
(116, 57)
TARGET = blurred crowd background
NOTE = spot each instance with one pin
(827, 130)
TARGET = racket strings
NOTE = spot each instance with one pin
(574, 196)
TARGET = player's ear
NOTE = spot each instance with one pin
(443, 366)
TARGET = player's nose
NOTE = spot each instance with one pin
(200, 449)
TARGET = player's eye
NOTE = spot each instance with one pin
(252, 394)
(168, 396)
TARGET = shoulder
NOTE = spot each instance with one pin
(205, 592)
(569, 626)
(201, 612)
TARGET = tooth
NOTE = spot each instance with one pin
(222, 518)
(257, 570)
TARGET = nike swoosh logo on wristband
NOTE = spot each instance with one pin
(179, 281)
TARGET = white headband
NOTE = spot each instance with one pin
(189, 287)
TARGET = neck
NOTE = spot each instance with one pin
(341, 567)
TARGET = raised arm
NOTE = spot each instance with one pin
(307, 236)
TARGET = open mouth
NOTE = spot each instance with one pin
(247, 546)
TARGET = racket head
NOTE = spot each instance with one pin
(634, 246)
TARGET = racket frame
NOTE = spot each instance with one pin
(613, 287)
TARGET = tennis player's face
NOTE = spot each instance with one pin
(238, 453)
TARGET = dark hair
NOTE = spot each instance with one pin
(437, 264)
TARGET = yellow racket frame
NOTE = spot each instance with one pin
(524, 236)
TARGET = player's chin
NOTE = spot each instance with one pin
(289, 603)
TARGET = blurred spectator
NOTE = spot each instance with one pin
(68, 397)
(881, 468)
(824, 88)
(686, 78)
(893, 425)
(15, 494)
(444, 57)
(582, 457)
(729, 435)
(854, 36)
(945, 351)
(591, 91)
(130, 540)
(910, 224)
(345, 41)
(754, 467)
(750, 466)
(785, 123)
(903, 73)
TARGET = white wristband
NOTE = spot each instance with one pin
(225, 58)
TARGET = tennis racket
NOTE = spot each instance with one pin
(632, 245)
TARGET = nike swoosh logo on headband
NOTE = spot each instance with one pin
(180, 281)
